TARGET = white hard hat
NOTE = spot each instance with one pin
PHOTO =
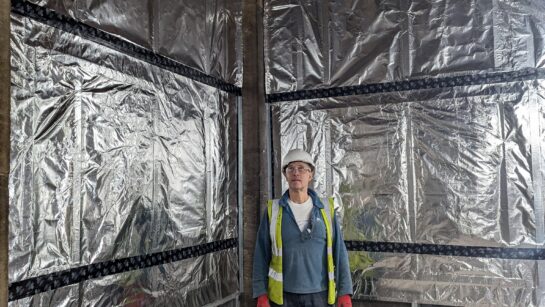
(297, 155)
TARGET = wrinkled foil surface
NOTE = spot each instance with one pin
(206, 35)
(191, 282)
(321, 44)
(112, 157)
(459, 166)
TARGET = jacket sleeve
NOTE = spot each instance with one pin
(343, 276)
(262, 258)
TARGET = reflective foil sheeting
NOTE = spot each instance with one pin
(205, 35)
(317, 44)
(111, 158)
(124, 19)
(460, 166)
(202, 34)
(453, 281)
(65, 296)
(191, 282)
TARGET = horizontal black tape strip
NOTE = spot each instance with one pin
(39, 284)
(408, 85)
(448, 250)
(70, 25)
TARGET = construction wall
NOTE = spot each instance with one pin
(123, 169)
(427, 122)
(426, 119)
(5, 96)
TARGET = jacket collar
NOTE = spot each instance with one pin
(315, 199)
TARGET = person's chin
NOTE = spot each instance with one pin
(296, 185)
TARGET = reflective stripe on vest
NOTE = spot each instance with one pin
(276, 286)
(328, 214)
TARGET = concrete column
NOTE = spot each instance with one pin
(5, 80)
(255, 141)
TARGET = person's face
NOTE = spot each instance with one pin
(298, 175)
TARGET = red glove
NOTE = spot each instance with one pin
(263, 301)
(344, 301)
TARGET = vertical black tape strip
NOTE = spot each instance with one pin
(409, 85)
(448, 250)
(39, 284)
(72, 26)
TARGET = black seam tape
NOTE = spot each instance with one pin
(39, 284)
(409, 85)
(448, 250)
(72, 26)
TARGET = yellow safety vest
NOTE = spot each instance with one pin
(276, 286)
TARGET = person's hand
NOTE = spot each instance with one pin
(344, 301)
(263, 301)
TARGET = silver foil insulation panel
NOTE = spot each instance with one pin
(424, 131)
(321, 44)
(205, 35)
(112, 157)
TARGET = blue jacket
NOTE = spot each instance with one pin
(303, 253)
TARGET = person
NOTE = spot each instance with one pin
(300, 258)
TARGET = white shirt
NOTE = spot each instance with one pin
(301, 212)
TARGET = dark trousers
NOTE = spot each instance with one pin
(304, 300)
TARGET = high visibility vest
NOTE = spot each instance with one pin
(276, 285)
